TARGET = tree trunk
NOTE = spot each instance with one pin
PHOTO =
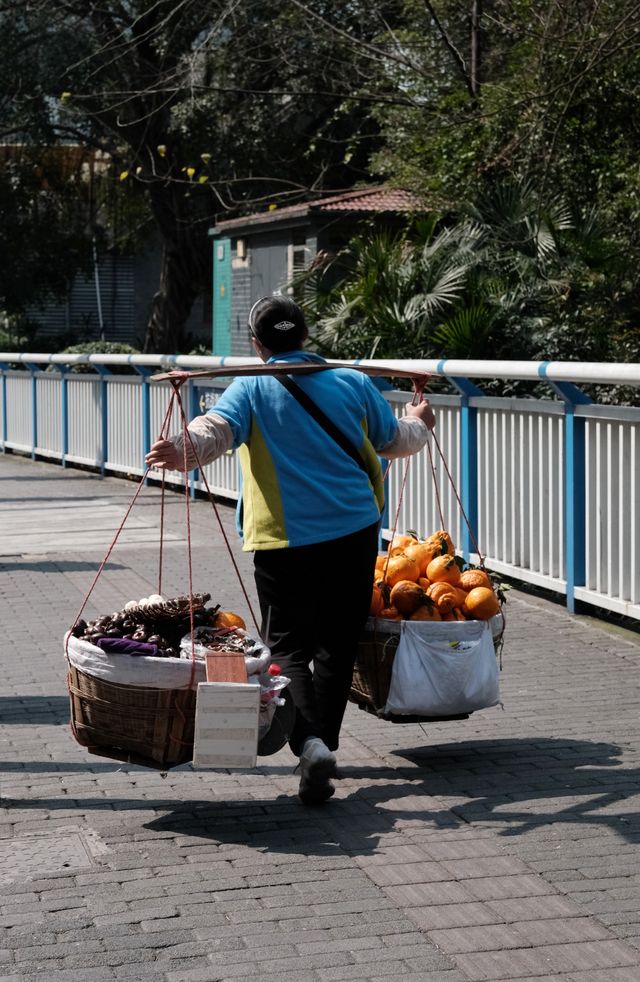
(171, 305)
(185, 256)
(476, 14)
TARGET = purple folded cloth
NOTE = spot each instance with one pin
(124, 646)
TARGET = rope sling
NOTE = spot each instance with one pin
(177, 380)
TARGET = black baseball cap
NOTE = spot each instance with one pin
(278, 323)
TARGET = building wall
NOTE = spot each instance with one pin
(265, 269)
(126, 286)
(240, 303)
(79, 314)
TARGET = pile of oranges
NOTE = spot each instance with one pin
(423, 580)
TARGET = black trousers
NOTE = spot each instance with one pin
(314, 602)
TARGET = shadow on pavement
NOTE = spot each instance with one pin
(498, 776)
(528, 784)
(21, 710)
(55, 565)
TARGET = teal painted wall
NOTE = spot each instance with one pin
(221, 328)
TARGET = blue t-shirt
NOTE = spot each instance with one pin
(299, 487)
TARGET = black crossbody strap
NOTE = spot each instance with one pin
(320, 417)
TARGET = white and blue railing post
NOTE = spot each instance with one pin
(35, 371)
(104, 373)
(468, 465)
(574, 486)
(145, 396)
(64, 414)
(193, 410)
(4, 410)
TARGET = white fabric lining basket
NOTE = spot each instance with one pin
(146, 671)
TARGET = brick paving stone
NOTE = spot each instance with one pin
(534, 908)
(419, 894)
(502, 887)
(553, 958)
(405, 873)
(448, 975)
(517, 828)
(607, 975)
(488, 937)
(451, 916)
(558, 931)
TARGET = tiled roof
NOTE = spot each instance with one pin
(371, 200)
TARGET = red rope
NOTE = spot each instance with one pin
(435, 485)
(219, 520)
(397, 515)
(455, 491)
(106, 558)
(419, 383)
(176, 388)
(160, 555)
(104, 562)
(418, 387)
(163, 434)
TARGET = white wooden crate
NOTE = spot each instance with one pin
(226, 725)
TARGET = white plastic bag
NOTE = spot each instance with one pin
(443, 669)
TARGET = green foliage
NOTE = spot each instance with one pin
(205, 109)
(512, 277)
(391, 290)
(18, 333)
(43, 240)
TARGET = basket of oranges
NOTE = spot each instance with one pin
(420, 580)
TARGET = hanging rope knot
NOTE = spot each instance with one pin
(177, 379)
(418, 382)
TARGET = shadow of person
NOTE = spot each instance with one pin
(512, 786)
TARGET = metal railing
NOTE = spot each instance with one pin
(546, 488)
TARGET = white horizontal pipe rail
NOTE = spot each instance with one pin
(553, 371)
(545, 489)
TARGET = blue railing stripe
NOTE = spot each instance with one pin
(575, 504)
(469, 475)
(4, 411)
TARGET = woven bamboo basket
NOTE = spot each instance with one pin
(373, 667)
(152, 727)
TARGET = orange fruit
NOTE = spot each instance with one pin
(406, 596)
(226, 618)
(446, 596)
(422, 554)
(481, 603)
(380, 561)
(444, 569)
(400, 542)
(471, 578)
(441, 544)
(400, 567)
(426, 612)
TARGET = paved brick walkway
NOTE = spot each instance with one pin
(501, 847)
